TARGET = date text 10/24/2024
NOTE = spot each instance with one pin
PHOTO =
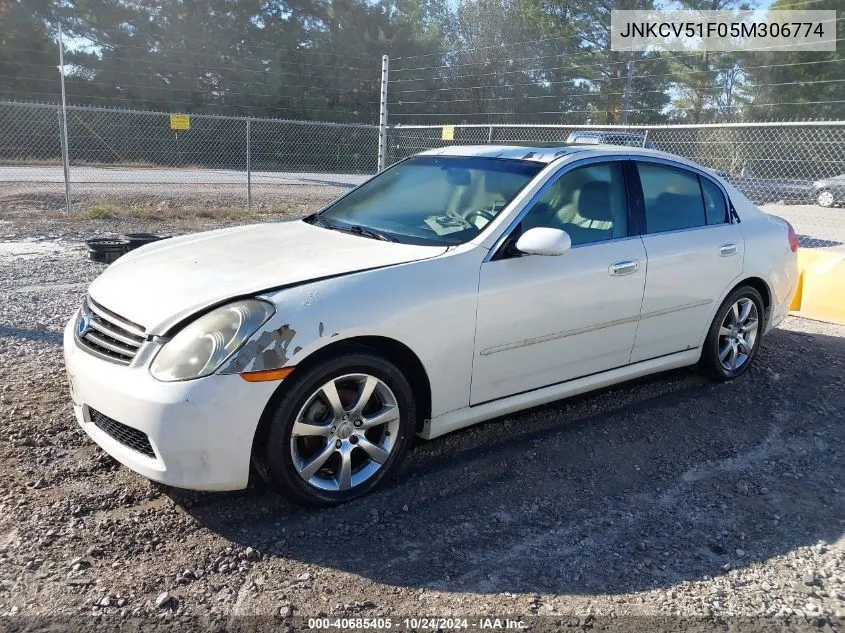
(417, 624)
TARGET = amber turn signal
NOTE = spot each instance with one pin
(266, 374)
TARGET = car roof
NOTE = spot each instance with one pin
(600, 133)
(542, 153)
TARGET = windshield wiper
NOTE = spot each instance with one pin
(367, 232)
(357, 229)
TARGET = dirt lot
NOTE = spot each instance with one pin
(669, 497)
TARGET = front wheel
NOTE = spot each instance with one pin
(825, 198)
(734, 336)
(341, 428)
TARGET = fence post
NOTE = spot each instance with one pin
(382, 116)
(248, 169)
(63, 119)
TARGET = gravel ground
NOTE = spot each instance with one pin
(671, 497)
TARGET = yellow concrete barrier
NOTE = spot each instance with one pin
(821, 286)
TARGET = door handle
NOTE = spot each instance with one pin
(627, 267)
(726, 250)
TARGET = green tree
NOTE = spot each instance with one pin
(801, 85)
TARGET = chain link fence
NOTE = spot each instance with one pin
(794, 170)
(128, 157)
(31, 156)
(136, 159)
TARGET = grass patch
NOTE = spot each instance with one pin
(120, 212)
(144, 211)
(100, 212)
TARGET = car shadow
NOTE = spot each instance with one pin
(46, 336)
(808, 241)
(644, 485)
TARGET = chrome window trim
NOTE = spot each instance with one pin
(552, 179)
(697, 171)
(610, 241)
(687, 230)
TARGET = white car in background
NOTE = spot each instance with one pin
(459, 285)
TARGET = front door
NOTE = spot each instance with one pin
(547, 319)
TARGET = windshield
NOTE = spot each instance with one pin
(438, 200)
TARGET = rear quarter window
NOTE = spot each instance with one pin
(714, 202)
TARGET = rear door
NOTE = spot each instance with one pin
(695, 253)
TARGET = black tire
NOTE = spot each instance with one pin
(710, 364)
(275, 462)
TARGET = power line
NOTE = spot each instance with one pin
(268, 75)
(596, 80)
(201, 89)
(598, 111)
(195, 105)
(663, 56)
(546, 39)
(508, 60)
(546, 84)
(567, 54)
(153, 61)
(600, 95)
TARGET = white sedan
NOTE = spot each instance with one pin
(459, 285)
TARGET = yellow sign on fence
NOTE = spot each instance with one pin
(448, 133)
(180, 121)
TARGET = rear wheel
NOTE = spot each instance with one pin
(342, 428)
(734, 336)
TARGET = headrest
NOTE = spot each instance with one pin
(594, 201)
(666, 213)
(669, 202)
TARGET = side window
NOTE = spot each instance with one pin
(673, 198)
(589, 203)
(714, 202)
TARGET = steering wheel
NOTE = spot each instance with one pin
(482, 214)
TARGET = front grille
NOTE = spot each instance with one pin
(106, 335)
(126, 435)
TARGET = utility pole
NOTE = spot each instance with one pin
(63, 119)
(382, 116)
(626, 98)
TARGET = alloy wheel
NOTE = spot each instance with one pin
(345, 432)
(825, 198)
(738, 334)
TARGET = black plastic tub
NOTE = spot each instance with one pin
(106, 249)
(139, 239)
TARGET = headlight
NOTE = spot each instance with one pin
(201, 347)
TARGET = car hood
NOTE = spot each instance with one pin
(161, 284)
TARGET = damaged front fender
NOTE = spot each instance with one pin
(269, 350)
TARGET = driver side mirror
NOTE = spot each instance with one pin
(544, 241)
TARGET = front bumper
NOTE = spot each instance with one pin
(200, 431)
